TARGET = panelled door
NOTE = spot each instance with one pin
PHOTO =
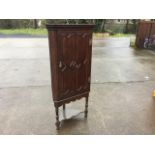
(74, 62)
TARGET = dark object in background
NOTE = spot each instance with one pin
(150, 42)
(70, 59)
(145, 29)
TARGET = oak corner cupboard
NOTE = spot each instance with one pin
(70, 48)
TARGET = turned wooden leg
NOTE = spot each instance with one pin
(57, 118)
(64, 112)
(86, 107)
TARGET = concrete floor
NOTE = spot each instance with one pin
(120, 101)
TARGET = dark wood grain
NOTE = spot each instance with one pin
(70, 49)
(144, 30)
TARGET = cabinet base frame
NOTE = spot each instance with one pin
(63, 102)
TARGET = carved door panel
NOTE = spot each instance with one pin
(74, 62)
(67, 59)
(83, 60)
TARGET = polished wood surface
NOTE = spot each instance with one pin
(70, 49)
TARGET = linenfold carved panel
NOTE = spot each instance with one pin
(74, 62)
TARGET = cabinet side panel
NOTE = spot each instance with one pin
(143, 32)
(152, 32)
(53, 62)
(83, 38)
(90, 58)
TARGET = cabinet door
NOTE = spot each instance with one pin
(67, 58)
(74, 62)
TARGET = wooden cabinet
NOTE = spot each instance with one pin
(70, 49)
(145, 29)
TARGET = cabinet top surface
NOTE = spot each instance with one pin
(50, 26)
